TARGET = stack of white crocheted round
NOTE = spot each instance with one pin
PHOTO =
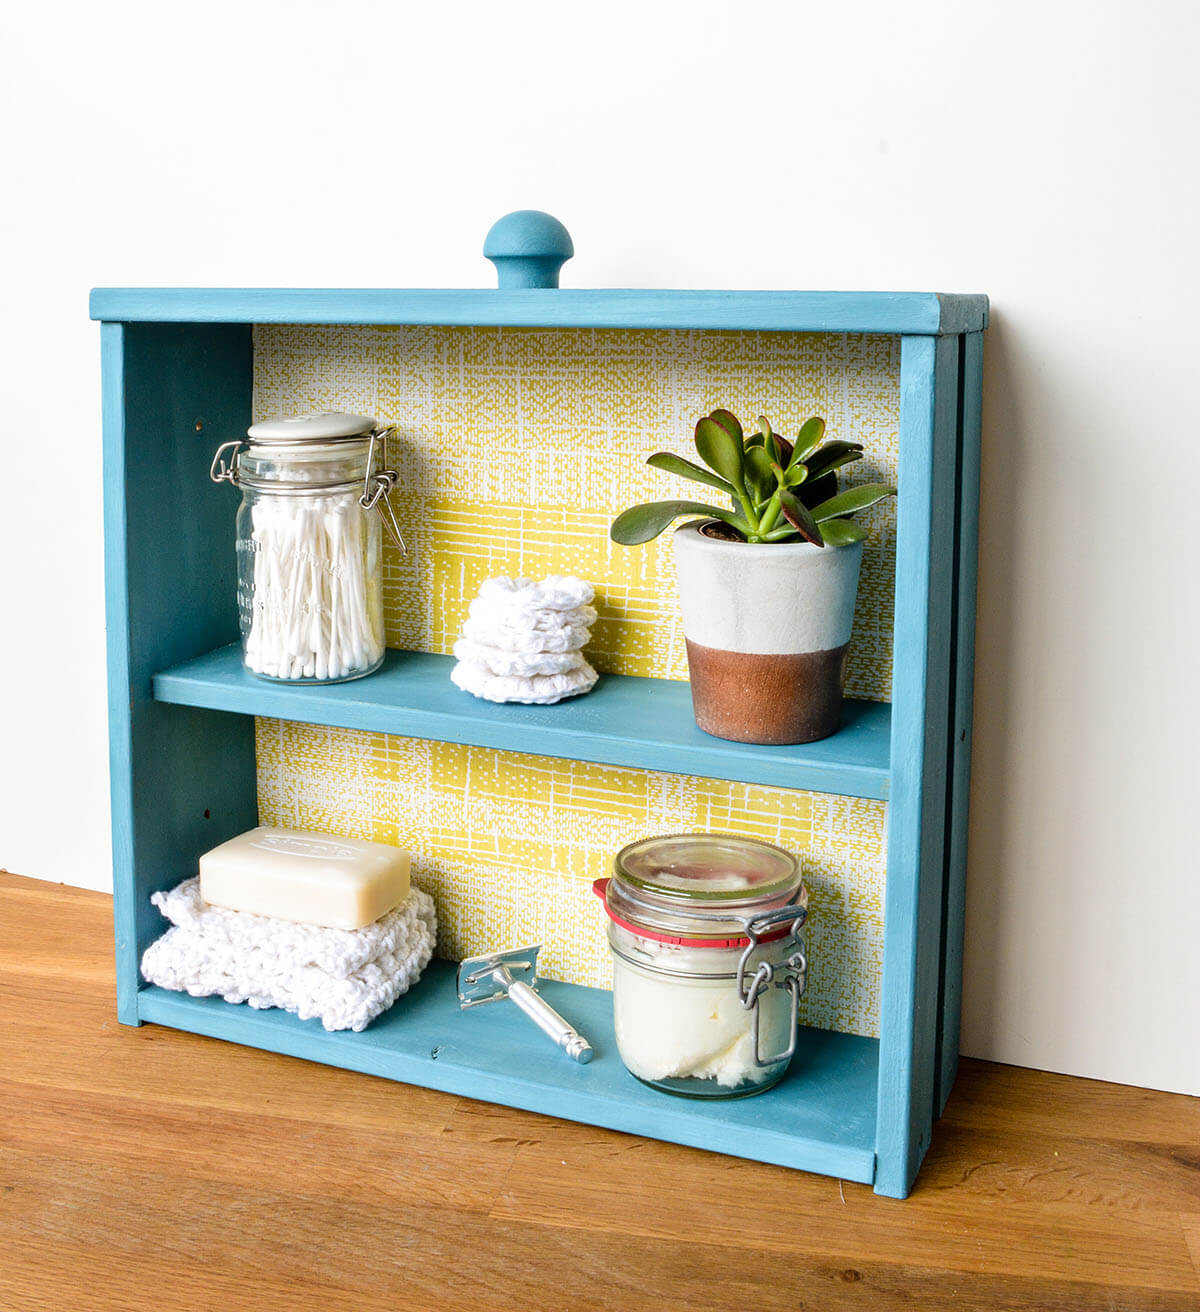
(523, 641)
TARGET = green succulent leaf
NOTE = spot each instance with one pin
(847, 459)
(851, 501)
(759, 475)
(833, 455)
(673, 464)
(842, 532)
(645, 522)
(809, 438)
(799, 516)
(755, 439)
(794, 475)
(720, 449)
(729, 422)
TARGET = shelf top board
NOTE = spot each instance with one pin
(920, 313)
(820, 1118)
(625, 721)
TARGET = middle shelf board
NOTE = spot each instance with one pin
(642, 723)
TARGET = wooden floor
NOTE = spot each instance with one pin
(144, 1168)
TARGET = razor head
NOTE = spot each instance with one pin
(486, 979)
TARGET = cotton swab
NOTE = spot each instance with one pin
(310, 615)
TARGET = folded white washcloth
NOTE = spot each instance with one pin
(343, 977)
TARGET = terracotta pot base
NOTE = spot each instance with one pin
(750, 698)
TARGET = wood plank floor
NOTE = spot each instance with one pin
(149, 1169)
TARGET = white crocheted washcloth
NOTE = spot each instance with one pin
(342, 977)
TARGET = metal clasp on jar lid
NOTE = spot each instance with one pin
(377, 483)
(377, 486)
(791, 977)
(219, 471)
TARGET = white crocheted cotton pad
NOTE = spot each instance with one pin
(344, 978)
(558, 592)
(501, 660)
(534, 690)
(566, 638)
(530, 618)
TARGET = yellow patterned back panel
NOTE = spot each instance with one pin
(518, 446)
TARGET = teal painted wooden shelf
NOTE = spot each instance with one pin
(821, 1118)
(178, 375)
(645, 723)
(770, 311)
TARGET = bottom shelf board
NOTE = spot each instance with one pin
(821, 1117)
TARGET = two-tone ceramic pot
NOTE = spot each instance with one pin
(767, 628)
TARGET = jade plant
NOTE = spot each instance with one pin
(779, 490)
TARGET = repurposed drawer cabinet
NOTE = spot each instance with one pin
(178, 378)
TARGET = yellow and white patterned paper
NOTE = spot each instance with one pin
(518, 447)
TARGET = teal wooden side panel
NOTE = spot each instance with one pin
(963, 672)
(909, 1005)
(768, 311)
(644, 723)
(182, 779)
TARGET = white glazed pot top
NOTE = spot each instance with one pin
(778, 598)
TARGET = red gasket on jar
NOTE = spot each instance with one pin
(600, 888)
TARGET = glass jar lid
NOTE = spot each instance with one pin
(298, 430)
(700, 888)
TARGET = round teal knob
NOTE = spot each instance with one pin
(528, 247)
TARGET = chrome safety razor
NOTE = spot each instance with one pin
(514, 975)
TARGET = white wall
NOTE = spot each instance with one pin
(1041, 152)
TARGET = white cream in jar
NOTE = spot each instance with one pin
(698, 1007)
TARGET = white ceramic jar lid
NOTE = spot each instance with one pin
(311, 428)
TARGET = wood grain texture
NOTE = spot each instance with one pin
(150, 1169)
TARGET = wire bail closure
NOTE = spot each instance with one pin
(376, 487)
(793, 975)
(218, 471)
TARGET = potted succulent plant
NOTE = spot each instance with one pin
(767, 586)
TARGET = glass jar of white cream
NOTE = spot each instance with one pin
(708, 961)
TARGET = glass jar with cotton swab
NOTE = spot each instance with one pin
(309, 544)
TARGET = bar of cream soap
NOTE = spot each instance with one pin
(317, 879)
